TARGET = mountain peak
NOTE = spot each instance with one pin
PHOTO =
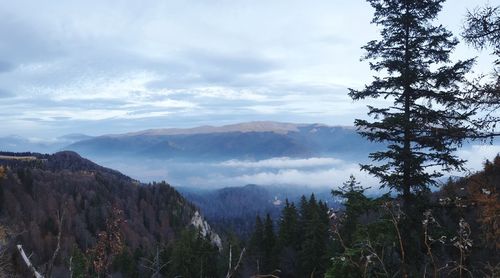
(256, 126)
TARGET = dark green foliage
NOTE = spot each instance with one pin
(232, 247)
(432, 110)
(256, 246)
(449, 236)
(355, 204)
(431, 113)
(126, 264)
(365, 235)
(268, 246)
(288, 242)
(78, 263)
(289, 233)
(314, 246)
(301, 247)
(193, 256)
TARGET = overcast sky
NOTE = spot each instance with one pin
(99, 66)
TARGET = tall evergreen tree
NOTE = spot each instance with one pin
(355, 204)
(313, 253)
(256, 248)
(268, 242)
(288, 235)
(431, 114)
(288, 239)
(432, 110)
(193, 255)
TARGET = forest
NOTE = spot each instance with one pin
(64, 216)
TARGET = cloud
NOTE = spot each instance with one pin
(5, 66)
(476, 155)
(283, 162)
(332, 177)
(5, 93)
(182, 63)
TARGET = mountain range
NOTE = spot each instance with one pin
(254, 140)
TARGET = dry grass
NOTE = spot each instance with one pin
(23, 158)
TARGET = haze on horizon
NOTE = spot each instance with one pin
(100, 67)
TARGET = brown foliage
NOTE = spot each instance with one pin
(32, 194)
(110, 242)
(5, 263)
(484, 193)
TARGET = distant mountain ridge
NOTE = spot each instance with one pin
(258, 126)
(15, 143)
(253, 140)
(233, 209)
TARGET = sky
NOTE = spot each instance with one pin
(99, 67)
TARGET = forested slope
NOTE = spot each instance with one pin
(100, 215)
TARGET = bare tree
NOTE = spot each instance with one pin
(233, 269)
(50, 264)
(155, 265)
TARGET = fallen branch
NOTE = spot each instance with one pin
(28, 262)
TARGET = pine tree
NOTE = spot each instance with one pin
(288, 235)
(288, 239)
(193, 255)
(268, 246)
(431, 114)
(256, 247)
(313, 253)
(355, 204)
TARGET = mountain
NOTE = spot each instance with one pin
(43, 197)
(254, 140)
(233, 209)
(217, 156)
(15, 143)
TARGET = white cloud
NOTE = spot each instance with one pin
(476, 155)
(225, 61)
(124, 86)
(283, 162)
(332, 177)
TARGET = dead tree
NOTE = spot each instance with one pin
(50, 264)
(232, 270)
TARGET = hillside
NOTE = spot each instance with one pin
(233, 209)
(43, 197)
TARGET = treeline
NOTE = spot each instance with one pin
(297, 246)
(188, 255)
(454, 233)
(79, 219)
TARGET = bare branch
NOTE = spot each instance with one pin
(28, 262)
(232, 270)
